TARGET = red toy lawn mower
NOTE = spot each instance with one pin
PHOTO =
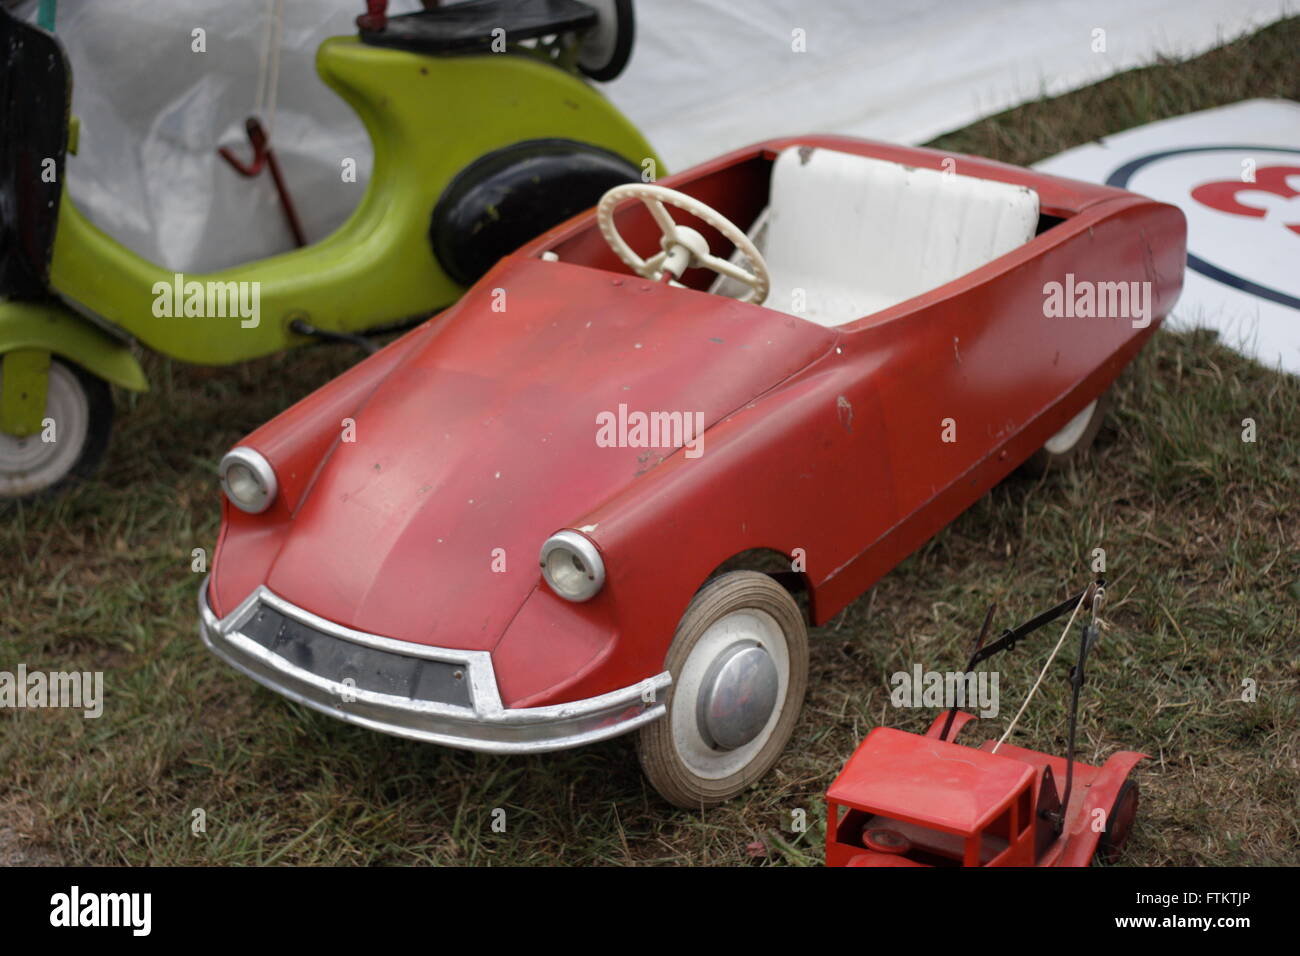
(911, 800)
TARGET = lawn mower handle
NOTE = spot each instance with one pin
(1012, 636)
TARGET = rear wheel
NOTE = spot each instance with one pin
(739, 663)
(80, 407)
(1119, 823)
(1072, 441)
(605, 50)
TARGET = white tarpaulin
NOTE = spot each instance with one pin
(1235, 173)
(712, 75)
(153, 112)
(706, 76)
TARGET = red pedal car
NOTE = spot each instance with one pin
(835, 348)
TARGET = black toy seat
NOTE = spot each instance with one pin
(468, 26)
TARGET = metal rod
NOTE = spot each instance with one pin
(302, 327)
(286, 201)
(1086, 641)
(979, 642)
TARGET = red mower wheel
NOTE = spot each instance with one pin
(1119, 824)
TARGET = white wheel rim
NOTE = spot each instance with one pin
(1069, 436)
(598, 46)
(749, 625)
(29, 465)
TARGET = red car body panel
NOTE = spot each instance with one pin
(477, 432)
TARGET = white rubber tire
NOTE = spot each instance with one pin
(1072, 441)
(81, 408)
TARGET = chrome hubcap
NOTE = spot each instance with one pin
(737, 696)
(722, 715)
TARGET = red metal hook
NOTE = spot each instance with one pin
(264, 156)
(257, 138)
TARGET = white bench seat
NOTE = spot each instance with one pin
(845, 236)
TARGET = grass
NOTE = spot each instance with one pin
(1201, 532)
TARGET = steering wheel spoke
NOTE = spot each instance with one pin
(667, 225)
(655, 265)
(730, 270)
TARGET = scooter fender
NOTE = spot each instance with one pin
(30, 333)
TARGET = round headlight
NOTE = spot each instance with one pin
(248, 480)
(572, 566)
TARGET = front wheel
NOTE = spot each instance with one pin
(77, 421)
(739, 663)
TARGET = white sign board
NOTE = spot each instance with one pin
(1235, 173)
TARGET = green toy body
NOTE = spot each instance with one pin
(429, 118)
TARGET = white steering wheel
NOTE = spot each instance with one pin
(681, 247)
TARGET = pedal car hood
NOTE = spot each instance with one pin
(487, 439)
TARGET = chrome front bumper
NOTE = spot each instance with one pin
(482, 723)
